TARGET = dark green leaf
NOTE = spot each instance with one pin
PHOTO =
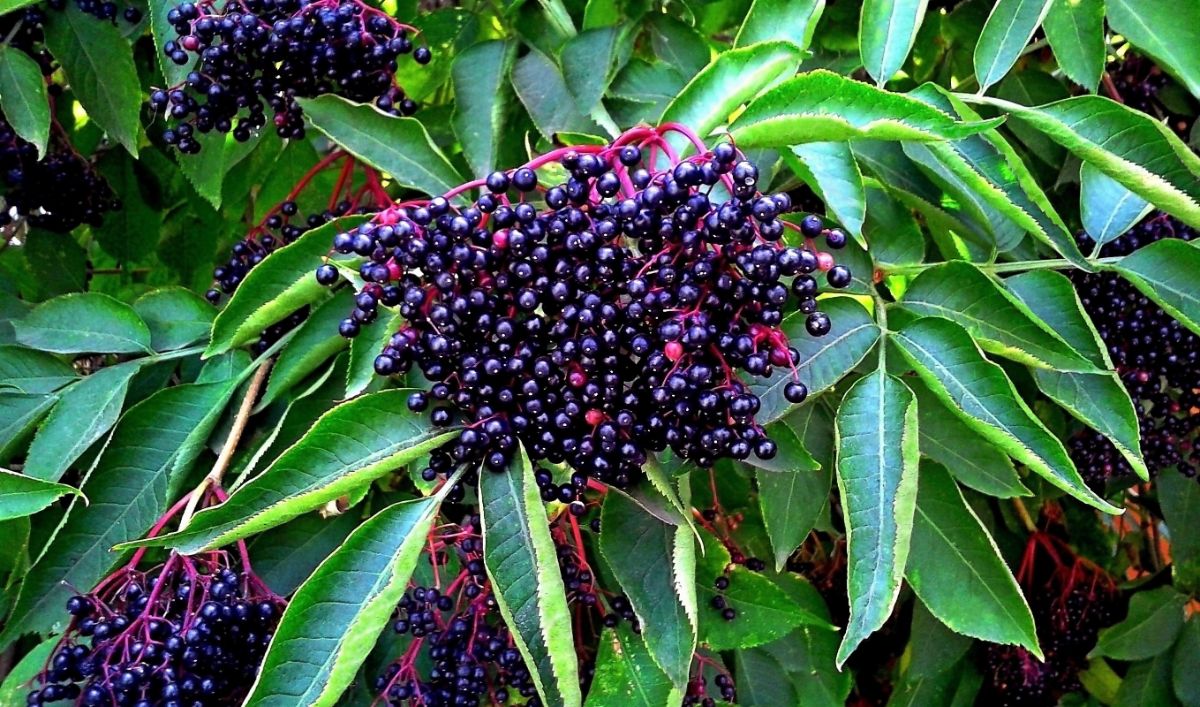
(823, 360)
(85, 412)
(830, 169)
(888, 29)
(31, 371)
(1107, 208)
(544, 93)
(365, 347)
(1180, 500)
(808, 654)
(219, 154)
(956, 568)
(285, 556)
(1165, 272)
(99, 66)
(1164, 30)
(86, 322)
(399, 147)
(1001, 323)
(1154, 620)
(16, 684)
(891, 231)
(176, 317)
(761, 680)
(1008, 29)
(983, 397)
(935, 648)
(336, 616)
(22, 495)
(678, 44)
(1148, 683)
(640, 550)
(589, 60)
(19, 413)
(1185, 669)
(792, 501)
(154, 444)
(522, 565)
(23, 97)
(626, 674)
(820, 106)
(349, 446)
(1075, 29)
(276, 287)
(483, 103)
(315, 341)
(790, 20)
(130, 233)
(877, 478)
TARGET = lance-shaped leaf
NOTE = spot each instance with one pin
(336, 616)
(315, 341)
(626, 674)
(956, 568)
(1164, 30)
(1098, 400)
(398, 147)
(979, 392)
(1075, 30)
(1154, 620)
(543, 91)
(84, 322)
(276, 287)
(1131, 147)
(365, 347)
(794, 21)
(821, 106)
(984, 169)
(349, 446)
(1007, 30)
(33, 372)
(23, 97)
(19, 413)
(640, 549)
(176, 317)
(792, 500)
(22, 495)
(483, 102)
(129, 488)
(85, 412)
(831, 170)
(733, 78)
(1106, 208)
(523, 567)
(1165, 272)
(823, 359)
(886, 32)
(877, 458)
(1001, 323)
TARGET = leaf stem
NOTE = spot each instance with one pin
(999, 268)
(1023, 515)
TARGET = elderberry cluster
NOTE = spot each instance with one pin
(256, 54)
(599, 320)
(190, 632)
(1157, 358)
(1140, 83)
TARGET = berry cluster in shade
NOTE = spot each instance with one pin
(190, 631)
(256, 55)
(1157, 358)
(618, 309)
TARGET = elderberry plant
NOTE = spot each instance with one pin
(779, 353)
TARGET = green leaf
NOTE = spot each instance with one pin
(31, 371)
(824, 360)
(640, 550)
(130, 487)
(558, 16)
(761, 681)
(1075, 30)
(1185, 670)
(982, 396)
(131, 233)
(765, 612)
(333, 621)
(544, 93)
(1129, 146)
(808, 655)
(1164, 30)
(821, 106)
(483, 103)
(948, 440)
(85, 322)
(164, 32)
(1154, 620)
(315, 341)
(626, 674)
(17, 683)
(1030, 87)
(365, 347)
(935, 647)
(985, 170)
(1148, 683)
(23, 97)
(22, 495)
(678, 44)
(733, 78)
(589, 61)
(19, 413)
(791, 501)
(957, 571)
(1009, 28)
(1164, 271)
(877, 478)
(1180, 500)
(887, 30)
(349, 446)
(1051, 297)
(276, 287)
(1106, 208)
(99, 66)
(284, 557)
(891, 230)
(176, 317)
(399, 147)
(793, 21)
(1002, 324)
(219, 154)
(831, 170)
(523, 568)
(84, 413)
